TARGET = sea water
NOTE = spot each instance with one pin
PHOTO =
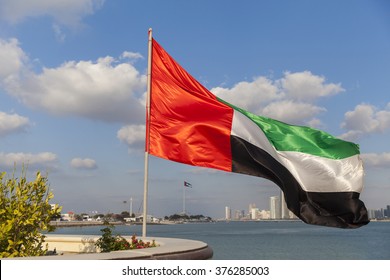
(269, 240)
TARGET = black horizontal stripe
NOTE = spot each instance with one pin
(335, 209)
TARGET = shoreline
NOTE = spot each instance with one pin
(92, 223)
(100, 223)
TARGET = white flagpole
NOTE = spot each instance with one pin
(146, 170)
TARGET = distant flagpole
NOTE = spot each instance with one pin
(146, 168)
(184, 199)
(186, 185)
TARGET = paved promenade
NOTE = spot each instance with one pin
(168, 249)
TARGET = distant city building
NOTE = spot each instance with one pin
(68, 216)
(379, 214)
(255, 214)
(284, 211)
(228, 213)
(251, 206)
(87, 217)
(264, 214)
(274, 206)
(238, 215)
(149, 219)
(371, 214)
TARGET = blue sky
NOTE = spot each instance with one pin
(72, 88)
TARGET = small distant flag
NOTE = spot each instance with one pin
(188, 185)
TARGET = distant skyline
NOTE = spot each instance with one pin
(382, 209)
(73, 83)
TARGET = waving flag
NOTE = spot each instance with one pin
(321, 176)
(188, 185)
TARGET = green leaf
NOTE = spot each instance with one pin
(25, 212)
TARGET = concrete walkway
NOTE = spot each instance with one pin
(168, 249)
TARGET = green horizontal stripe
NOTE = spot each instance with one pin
(285, 137)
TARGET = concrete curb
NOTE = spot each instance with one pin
(168, 249)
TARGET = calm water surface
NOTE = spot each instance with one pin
(270, 240)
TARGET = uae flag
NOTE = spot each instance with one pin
(321, 176)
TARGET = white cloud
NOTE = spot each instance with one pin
(365, 119)
(315, 123)
(132, 56)
(12, 59)
(106, 89)
(250, 95)
(11, 123)
(44, 160)
(132, 135)
(85, 163)
(97, 90)
(110, 89)
(65, 12)
(306, 86)
(293, 112)
(59, 33)
(376, 160)
(290, 99)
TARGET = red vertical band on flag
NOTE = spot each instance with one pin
(187, 122)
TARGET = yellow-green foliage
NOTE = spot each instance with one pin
(25, 212)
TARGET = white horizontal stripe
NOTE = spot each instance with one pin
(318, 174)
(314, 173)
(246, 129)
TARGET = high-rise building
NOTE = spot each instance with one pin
(274, 206)
(255, 214)
(264, 215)
(228, 213)
(237, 215)
(371, 214)
(284, 211)
(251, 206)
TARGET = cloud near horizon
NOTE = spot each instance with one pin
(373, 160)
(45, 160)
(306, 86)
(12, 123)
(83, 163)
(365, 119)
(133, 136)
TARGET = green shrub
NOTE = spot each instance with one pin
(108, 242)
(25, 213)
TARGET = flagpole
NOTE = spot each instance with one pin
(184, 200)
(146, 168)
(131, 207)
